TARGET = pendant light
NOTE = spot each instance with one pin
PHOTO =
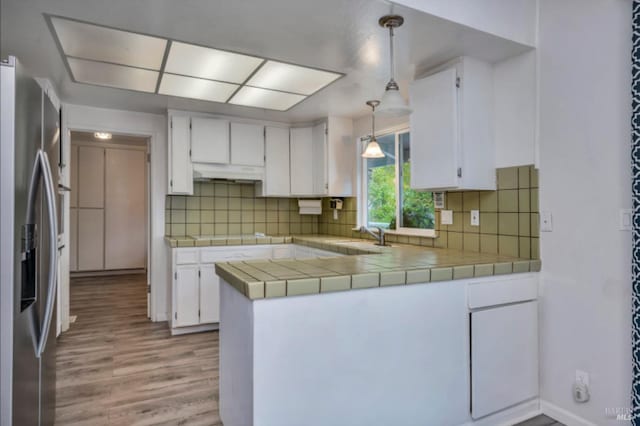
(373, 149)
(392, 103)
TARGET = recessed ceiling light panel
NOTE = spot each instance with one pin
(118, 76)
(196, 88)
(213, 64)
(104, 44)
(268, 99)
(291, 78)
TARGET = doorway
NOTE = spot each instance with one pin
(109, 207)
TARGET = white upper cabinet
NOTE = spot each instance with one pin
(302, 161)
(247, 144)
(452, 144)
(180, 169)
(319, 163)
(209, 140)
(342, 157)
(276, 174)
(323, 159)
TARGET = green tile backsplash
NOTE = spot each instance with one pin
(508, 218)
(224, 208)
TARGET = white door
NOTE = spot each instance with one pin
(319, 149)
(181, 172)
(90, 239)
(209, 294)
(187, 295)
(277, 162)
(301, 161)
(90, 177)
(504, 357)
(125, 211)
(209, 140)
(434, 131)
(247, 144)
(73, 176)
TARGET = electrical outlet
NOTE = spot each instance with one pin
(582, 377)
(475, 217)
(446, 217)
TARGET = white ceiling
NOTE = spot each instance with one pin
(338, 35)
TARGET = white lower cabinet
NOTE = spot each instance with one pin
(504, 345)
(187, 295)
(209, 294)
(195, 300)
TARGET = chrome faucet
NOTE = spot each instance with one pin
(378, 236)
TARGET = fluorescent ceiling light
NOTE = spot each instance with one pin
(291, 78)
(204, 62)
(104, 44)
(262, 98)
(118, 76)
(197, 88)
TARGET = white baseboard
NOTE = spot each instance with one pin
(194, 329)
(510, 416)
(562, 415)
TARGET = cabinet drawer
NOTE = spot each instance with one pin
(493, 293)
(186, 256)
(222, 255)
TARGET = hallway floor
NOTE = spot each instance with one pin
(116, 367)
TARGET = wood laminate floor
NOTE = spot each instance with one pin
(116, 367)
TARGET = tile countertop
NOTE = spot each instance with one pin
(377, 267)
(232, 240)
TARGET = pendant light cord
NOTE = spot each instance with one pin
(393, 61)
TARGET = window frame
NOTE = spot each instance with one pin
(363, 186)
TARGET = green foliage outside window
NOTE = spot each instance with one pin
(417, 207)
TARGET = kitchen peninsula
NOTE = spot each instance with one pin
(325, 340)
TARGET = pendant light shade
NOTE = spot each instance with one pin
(392, 104)
(373, 149)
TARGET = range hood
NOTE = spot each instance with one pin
(234, 172)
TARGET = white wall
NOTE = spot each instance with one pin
(511, 19)
(584, 143)
(80, 117)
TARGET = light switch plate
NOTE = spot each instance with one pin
(626, 219)
(446, 217)
(475, 217)
(546, 221)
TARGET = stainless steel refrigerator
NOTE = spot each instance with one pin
(29, 157)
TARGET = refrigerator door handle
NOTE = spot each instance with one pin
(43, 168)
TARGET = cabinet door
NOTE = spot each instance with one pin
(180, 170)
(247, 144)
(434, 131)
(187, 296)
(277, 168)
(319, 165)
(90, 239)
(301, 161)
(209, 140)
(125, 212)
(504, 357)
(90, 177)
(209, 294)
(342, 157)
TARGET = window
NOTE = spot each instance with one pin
(387, 199)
